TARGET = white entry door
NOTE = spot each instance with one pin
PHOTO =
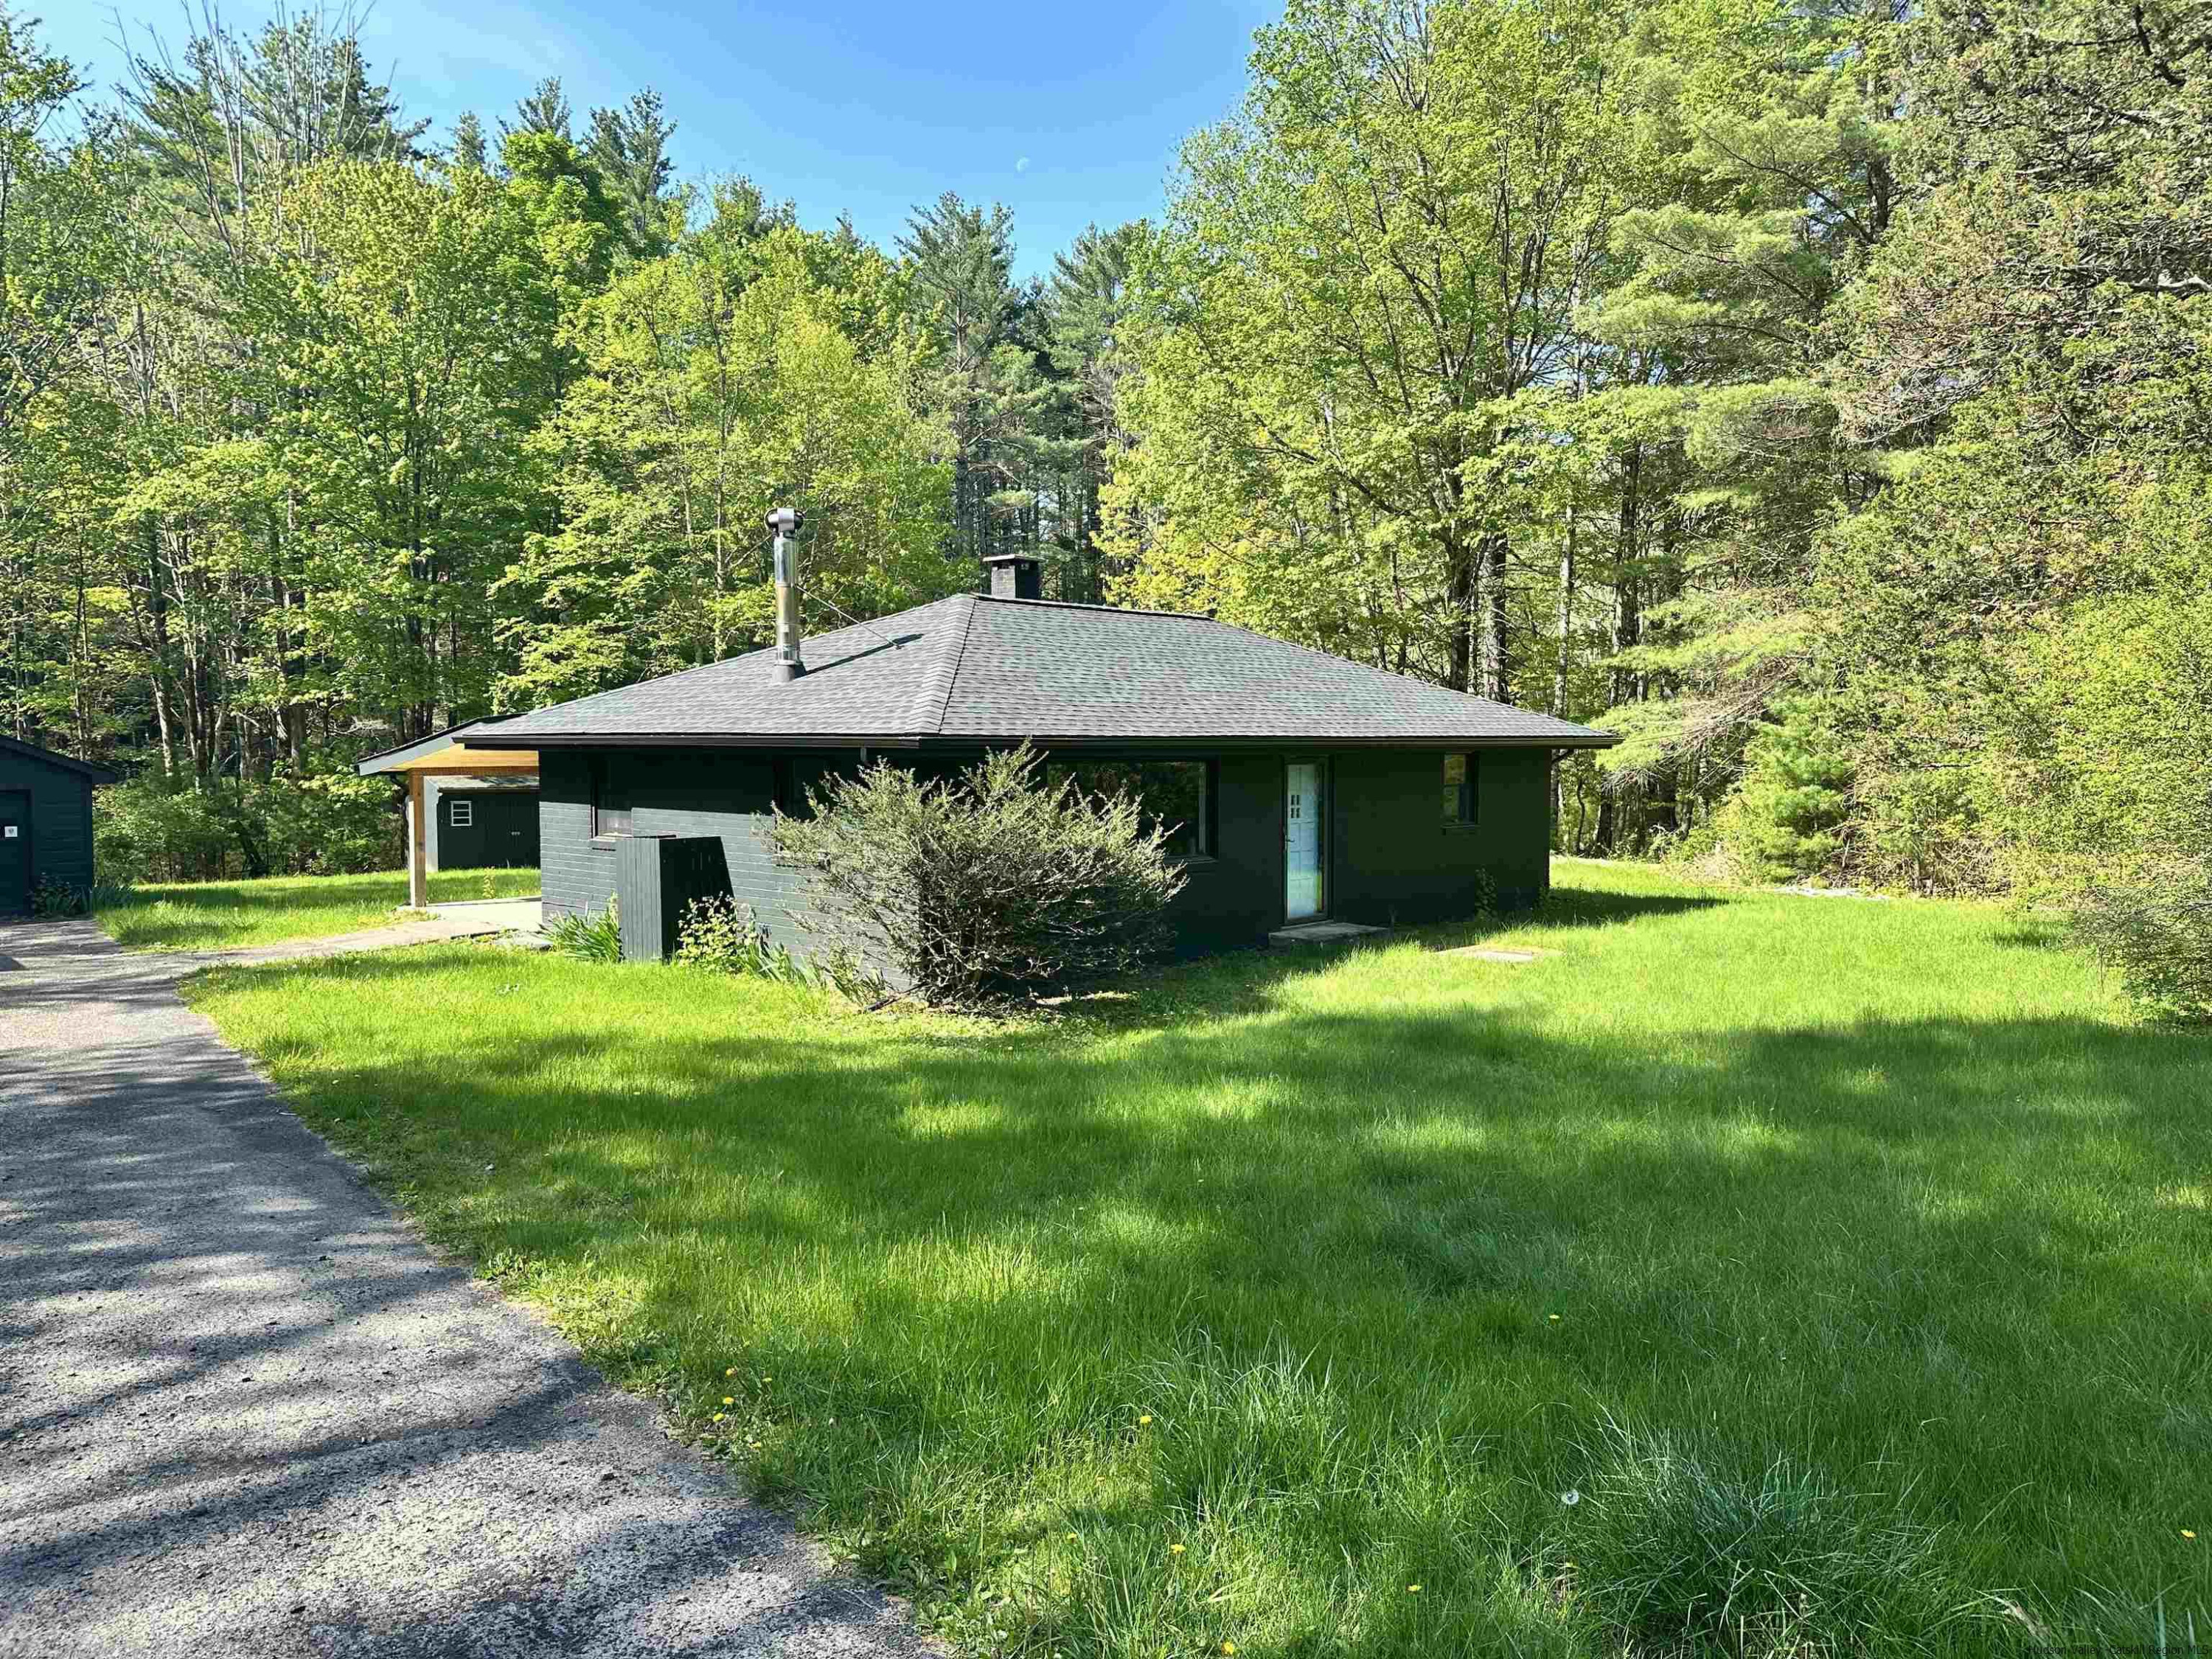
(1302, 840)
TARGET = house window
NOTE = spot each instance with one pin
(461, 814)
(1176, 794)
(610, 813)
(1462, 789)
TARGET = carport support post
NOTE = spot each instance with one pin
(418, 878)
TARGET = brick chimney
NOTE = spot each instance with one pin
(1015, 576)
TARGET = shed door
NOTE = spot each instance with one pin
(511, 830)
(1302, 840)
(460, 831)
(14, 852)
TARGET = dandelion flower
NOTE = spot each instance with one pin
(1554, 1318)
(719, 1415)
(1175, 1549)
(1145, 1421)
(726, 1400)
(731, 1371)
(2185, 1533)
(1413, 1590)
(1229, 1647)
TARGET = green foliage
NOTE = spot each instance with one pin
(326, 824)
(960, 892)
(397, 352)
(52, 897)
(2102, 792)
(721, 936)
(1677, 1554)
(143, 832)
(589, 936)
(305, 434)
(1784, 821)
(720, 381)
(1355, 282)
(2157, 932)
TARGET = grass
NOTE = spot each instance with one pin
(223, 915)
(1757, 1274)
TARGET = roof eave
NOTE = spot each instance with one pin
(718, 741)
(1043, 740)
(92, 771)
(388, 760)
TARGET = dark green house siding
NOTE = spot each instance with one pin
(50, 800)
(1391, 858)
(729, 793)
(1396, 860)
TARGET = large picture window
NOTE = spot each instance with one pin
(1462, 789)
(610, 813)
(1178, 794)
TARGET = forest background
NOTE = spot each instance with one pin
(1815, 393)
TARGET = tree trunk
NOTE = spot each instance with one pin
(1627, 617)
(1561, 661)
(1459, 577)
(1496, 675)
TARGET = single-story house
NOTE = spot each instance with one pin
(45, 822)
(1299, 787)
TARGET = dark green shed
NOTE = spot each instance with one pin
(45, 822)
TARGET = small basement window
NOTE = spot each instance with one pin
(1176, 793)
(1462, 789)
(461, 814)
(611, 810)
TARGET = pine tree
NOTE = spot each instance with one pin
(630, 147)
(467, 152)
(544, 108)
(1086, 306)
(960, 260)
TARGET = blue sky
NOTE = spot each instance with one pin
(1067, 112)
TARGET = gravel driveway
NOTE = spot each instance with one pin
(243, 1411)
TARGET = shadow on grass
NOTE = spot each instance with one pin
(1970, 1252)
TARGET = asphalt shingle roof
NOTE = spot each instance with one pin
(977, 667)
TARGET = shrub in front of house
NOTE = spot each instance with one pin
(722, 936)
(963, 891)
(595, 936)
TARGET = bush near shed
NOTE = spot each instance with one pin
(961, 891)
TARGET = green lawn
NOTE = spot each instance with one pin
(1846, 1262)
(223, 915)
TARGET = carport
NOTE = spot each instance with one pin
(445, 754)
